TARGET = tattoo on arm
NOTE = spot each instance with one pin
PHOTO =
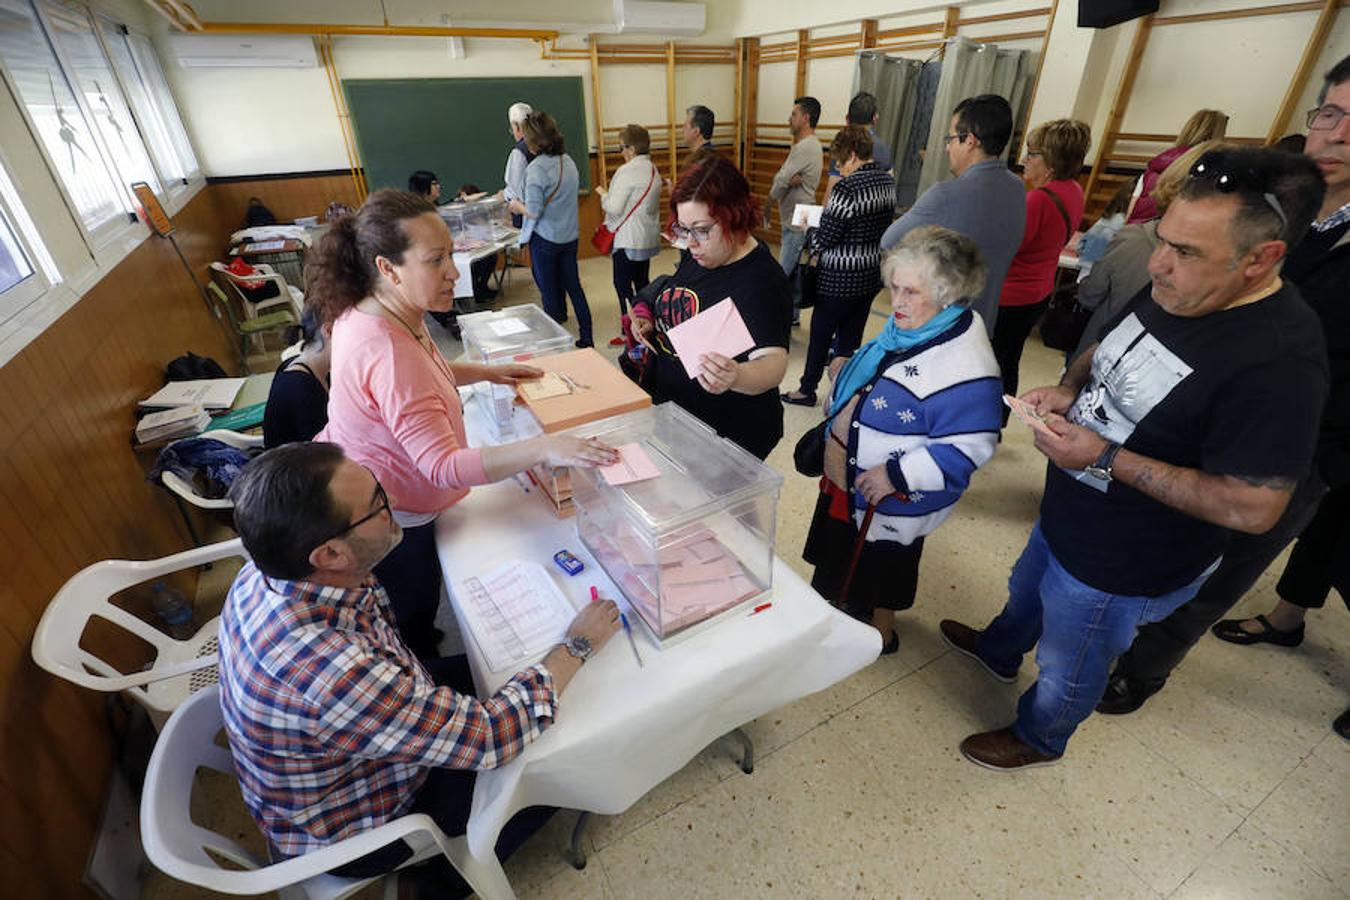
(1274, 482)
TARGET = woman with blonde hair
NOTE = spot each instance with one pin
(1203, 125)
(632, 205)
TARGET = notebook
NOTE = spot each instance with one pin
(515, 613)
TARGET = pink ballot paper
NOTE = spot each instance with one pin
(634, 465)
(718, 329)
(1027, 413)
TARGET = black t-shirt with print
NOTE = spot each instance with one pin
(759, 289)
(1238, 392)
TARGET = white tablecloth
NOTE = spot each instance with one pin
(622, 730)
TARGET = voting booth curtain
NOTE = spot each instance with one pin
(915, 99)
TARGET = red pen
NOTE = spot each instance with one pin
(759, 609)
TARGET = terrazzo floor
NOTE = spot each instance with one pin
(1229, 784)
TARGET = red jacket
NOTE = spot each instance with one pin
(1144, 207)
(1031, 276)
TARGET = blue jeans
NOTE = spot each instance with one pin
(555, 272)
(789, 251)
(1077, 631)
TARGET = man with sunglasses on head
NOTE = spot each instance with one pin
(1320, 267)
(334, 725)
(984, 201)
(1195, 416)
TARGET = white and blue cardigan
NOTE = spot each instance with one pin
(932, 416)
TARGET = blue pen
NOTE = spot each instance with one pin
(632, 643)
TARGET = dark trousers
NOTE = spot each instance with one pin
(1321, 558)
(1160, 647)
(1011, 328)
(555, 272)
(447, 796)
(630, 276)
(411, 575)
(837, 325)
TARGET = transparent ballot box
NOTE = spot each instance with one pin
(482, 220)
(514, 334)
(693, 543)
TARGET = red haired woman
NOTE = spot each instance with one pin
(737, 397)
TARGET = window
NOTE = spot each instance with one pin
(73, 148)
(133, 57)
(25, 267)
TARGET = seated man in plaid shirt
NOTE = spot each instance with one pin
(334, 725)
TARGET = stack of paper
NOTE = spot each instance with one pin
(208, 393)
(171, 424)
(515, 613)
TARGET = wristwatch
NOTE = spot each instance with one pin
(579, 647)
(1101, 469)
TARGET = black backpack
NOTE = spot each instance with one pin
(257, 214)
(191, 367)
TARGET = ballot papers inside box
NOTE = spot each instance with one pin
(694, 542)
(514, 334)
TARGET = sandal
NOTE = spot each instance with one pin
(1231, 630)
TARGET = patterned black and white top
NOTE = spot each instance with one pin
(859, 210)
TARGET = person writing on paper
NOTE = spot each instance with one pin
(632, 207)
(911, 417)
(551, 226)
(297, 403)
(737, 397)
(394, 404)
(849, 243)
(334, 725)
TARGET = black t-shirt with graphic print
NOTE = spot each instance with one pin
(1238, 392)
(759, 289)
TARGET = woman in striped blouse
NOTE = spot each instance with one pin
(848, 240)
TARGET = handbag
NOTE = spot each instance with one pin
(808, 284)
(1065, 319)
(808, 457)
(603, 239)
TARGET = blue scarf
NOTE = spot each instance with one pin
(864, 364)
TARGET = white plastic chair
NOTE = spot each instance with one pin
(288, 295)
(184, 489)
(178, 846)
(179, 669)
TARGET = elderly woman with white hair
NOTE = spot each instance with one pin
(910, 418)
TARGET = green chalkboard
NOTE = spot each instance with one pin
(456, 127)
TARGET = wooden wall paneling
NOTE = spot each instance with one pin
(751, 98)
(671, 141)
(803, 58)
(739, 103)
(72, 492)
(288, 198)
(595, 109)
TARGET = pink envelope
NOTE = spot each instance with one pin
(634, 465)
(718, 329)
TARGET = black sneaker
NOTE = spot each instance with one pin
(1125, 695)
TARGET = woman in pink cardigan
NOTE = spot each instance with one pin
(394, 405)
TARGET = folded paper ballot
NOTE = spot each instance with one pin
(634, 465)
(806, 215)
(1028, 414)
(550, 385)
(717, 329)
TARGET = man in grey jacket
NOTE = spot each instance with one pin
(984, 201)
(796, 182)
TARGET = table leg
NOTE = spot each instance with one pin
(747, 750)
(575, 855)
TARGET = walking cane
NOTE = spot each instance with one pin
(858, 549)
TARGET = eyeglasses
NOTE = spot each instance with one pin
(1229, 181)
(959, 137)
(1325, 118)
(698, 234)
(381, 506)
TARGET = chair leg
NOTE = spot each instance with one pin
(575, 855)
(747, 750)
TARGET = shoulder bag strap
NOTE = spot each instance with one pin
(650, 182)
(556, 187)
(1063, 213)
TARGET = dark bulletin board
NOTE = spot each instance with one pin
(456, 127)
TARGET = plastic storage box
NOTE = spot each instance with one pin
(514, 334)
(694, 543)
(481, 220)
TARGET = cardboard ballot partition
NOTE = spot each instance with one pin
(579, 387)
